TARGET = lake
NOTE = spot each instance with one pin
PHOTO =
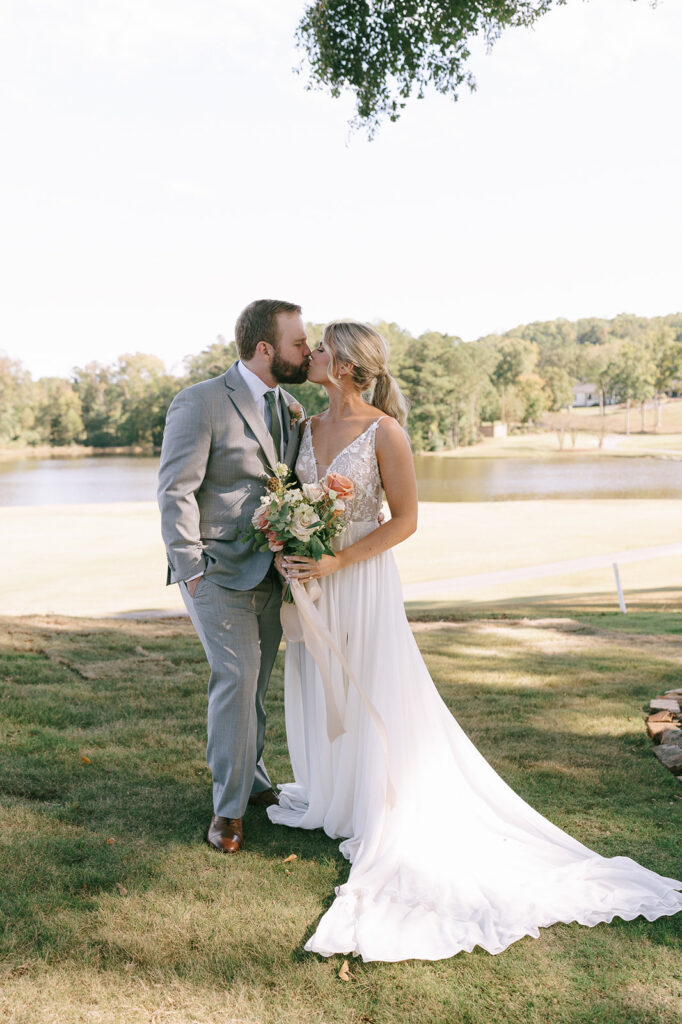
(114, 478)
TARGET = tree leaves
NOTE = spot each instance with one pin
(387, 50)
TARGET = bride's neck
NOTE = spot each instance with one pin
(344, 402)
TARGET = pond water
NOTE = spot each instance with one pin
(560, 476)
(126, 478)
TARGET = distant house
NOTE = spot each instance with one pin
(495, 429)
(585, 394)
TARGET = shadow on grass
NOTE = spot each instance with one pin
(657, 602)
(105, 785)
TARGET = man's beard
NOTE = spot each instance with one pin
(288, 373)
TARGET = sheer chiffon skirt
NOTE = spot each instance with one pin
(459, 859)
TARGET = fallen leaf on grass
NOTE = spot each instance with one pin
(290, 859)
(344, 973)
(86, 760)
(122, 889)
(110, 841)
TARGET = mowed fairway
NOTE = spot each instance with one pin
(116, 911)
(109, 559)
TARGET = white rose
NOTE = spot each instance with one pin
(313, 492)
(303, 523)
(300, 532)
(304, 515)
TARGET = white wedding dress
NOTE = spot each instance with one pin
(459, 859)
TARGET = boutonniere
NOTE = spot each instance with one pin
(295, 413)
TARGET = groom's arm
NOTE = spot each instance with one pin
(184, 455)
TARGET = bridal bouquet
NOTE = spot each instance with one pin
(300, 520)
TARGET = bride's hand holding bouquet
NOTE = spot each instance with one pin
(299, 524)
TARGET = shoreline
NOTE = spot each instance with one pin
(580, 430)
(73, 451)
(538, 444)
(544, 444)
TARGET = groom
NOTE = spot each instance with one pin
(222, 440)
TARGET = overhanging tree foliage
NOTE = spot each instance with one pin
(384, 51)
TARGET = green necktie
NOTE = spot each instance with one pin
(275, 428)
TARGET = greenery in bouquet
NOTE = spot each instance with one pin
(300, 520)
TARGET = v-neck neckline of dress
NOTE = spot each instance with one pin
(339, 453)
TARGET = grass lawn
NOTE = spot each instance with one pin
(115, 910)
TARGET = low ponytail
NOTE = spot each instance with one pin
(388, 397)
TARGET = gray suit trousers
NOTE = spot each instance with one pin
(240, 631)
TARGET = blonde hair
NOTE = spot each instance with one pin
(349, 341)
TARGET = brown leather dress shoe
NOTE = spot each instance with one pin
(267, 798)
(226, 834)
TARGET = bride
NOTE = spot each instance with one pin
(444, 855)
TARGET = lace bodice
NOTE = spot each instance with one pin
(358, 462)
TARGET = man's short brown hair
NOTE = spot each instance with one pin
(258, 322)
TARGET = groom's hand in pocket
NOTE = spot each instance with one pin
(193, 584)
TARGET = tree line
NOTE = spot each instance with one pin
(452, 386)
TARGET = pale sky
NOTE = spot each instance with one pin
(162, 166)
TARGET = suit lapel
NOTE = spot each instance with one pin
(243, 400)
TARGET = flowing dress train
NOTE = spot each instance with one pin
(458, 859)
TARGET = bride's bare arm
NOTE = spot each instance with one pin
(400, 485)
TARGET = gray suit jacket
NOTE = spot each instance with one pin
(216, 457)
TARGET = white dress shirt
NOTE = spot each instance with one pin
(257, 388)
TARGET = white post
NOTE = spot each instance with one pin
(621, 599)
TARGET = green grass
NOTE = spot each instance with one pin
(154, 926)
(652, 610)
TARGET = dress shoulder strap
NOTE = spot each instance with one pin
(375, 423)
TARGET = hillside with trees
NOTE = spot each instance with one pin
(453, 386)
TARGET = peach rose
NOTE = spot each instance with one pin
(273, 543)
(341, 485)
(260, 517)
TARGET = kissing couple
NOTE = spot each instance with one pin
(444, 855)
